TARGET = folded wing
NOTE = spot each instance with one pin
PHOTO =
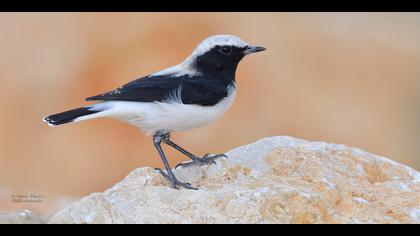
(191, 90)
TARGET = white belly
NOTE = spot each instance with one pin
(173, 116)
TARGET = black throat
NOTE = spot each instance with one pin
(211, 72)
(215, 66)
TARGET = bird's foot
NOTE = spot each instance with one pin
(174, 181)
(205, 160)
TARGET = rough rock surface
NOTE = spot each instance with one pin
(275, 180)
(21, 217)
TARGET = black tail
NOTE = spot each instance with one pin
(68, 116)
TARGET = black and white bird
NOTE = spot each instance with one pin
(191, 94)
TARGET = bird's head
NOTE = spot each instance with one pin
(219, 54)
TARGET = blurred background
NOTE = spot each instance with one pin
(350, 78)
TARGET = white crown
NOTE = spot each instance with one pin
(219, 40)
(205, 46)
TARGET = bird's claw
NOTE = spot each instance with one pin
(205, 160)
(174, 181)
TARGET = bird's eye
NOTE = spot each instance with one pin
(225, 50)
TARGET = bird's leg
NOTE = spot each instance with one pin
(205, 160)
(157, 140)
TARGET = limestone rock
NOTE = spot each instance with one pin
(275, 180)
(21, 217)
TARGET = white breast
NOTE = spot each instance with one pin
(168, 116)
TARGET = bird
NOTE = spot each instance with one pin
(191, 94)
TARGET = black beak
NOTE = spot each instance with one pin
(253, 49)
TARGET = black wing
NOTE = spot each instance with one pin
(194, 90)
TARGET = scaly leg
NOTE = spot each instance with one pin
(205, 160)
(157, 140)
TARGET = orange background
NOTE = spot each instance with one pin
(351, 78)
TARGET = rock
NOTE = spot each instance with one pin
(21, 217)
(275, 180)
